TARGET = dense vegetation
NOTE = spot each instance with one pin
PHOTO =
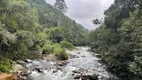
(119, 39)
(34, 25)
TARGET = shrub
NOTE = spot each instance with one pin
(67, 45)
(5, 65)
(48, 47)
(60, 53)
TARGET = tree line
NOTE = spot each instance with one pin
(119, 40)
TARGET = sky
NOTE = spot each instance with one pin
(84, 11)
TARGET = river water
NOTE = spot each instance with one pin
(80, 59)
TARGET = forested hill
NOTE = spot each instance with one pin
(119, 39)
(50, 17)
(34, 25)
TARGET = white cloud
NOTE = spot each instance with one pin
(84, 11)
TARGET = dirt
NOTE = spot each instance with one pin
(6, 76)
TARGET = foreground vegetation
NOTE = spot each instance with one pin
(33, 25)
(119, 39)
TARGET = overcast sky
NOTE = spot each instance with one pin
(84, 11)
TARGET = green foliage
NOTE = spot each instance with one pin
(50, 17)
(55, 34)
(48, 47)
(119, 39)
(5, 64)
(60, 53)
(66, 45)
(32, 26)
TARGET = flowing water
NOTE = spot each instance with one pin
(81, 59)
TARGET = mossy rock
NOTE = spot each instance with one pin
(89, 77)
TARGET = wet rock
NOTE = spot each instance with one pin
(80, 71)
(61, 63)
(82, 56)
(22, 75)
(72, 56)
(28, 61)
(38, 69)
(78, 76)
(78, 52)
(20, 62)
(55, 71)
(76, 71)
(89, 77)
(83, 71)
(59, 68)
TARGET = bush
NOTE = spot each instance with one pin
(5, 65)
(67, 45)
(48, 47)
(60, 53)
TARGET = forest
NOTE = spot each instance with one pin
(119, 39)
(33, 27)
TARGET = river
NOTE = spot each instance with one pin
(80, 59)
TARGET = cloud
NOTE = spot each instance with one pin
(84, 11)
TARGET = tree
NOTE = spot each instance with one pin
(61, 6)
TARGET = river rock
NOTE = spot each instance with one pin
(76, 71)
(28, 61)
(61, 63)
(72, 56)
(22, 75)
(82, 56)
(17, 67)
(78, 76)
(38, 69)
(78, 52)
(89, 77)
(20, 62)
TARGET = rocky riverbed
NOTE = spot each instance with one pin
(81, 65)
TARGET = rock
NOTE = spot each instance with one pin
(20, 62)
(77, 57)
(22, 77)
(80, 71)
(72, 56)
(39, 70)
(55, 71)
(75, 71)
(78, 76)
(82, 56)
(61, 63)
(28, 61)
(89, 77)
(78, 52)
(17, 67)
(58, 68)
